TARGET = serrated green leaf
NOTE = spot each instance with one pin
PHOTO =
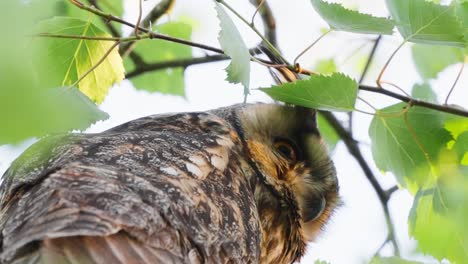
(166, 81)
(337, 92)
(328, 133)
(430, 60)
(424, 92)
(234, 46)
(74, 57)
(425, 22)
(340, 18)
(325, 66)
(29, 106)
(407, 150)
(392, 260)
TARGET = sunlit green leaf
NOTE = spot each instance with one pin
(392, 260)
(461, 11)
(438, 216)
(407, 148)
(424, 91)
(336, 92)
(233, 45)
(340, 18)
(165, 80)
(75, 57)
(430, 60)
(426, 22)
(328, 133)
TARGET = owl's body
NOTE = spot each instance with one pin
(179, 188)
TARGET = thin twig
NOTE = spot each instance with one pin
(397, 87)
(311, 45)
(455, 82)
(354, 150)
(110, 17)
(158, 11)
(379, 78)
(113, 39)
(269, 21)
(370, 59)
(184, 63)
(97, 64)
(111, 28)
(441, 108)
(256, 11)
(265, 41)
(140, 14)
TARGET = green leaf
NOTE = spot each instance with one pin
(233, 45)
(425, 22)
(456, 125)
(461, 147)
(438, 216)
(424, 92)
(328, 133)
(74, 57)
(431, 60)
(114, 7)
(166, 80)
(29, 107)
(321, 262)
(337, 92)
(461, 11)
(406, 148)
(340, 18)
(392, 260)
(326, 66)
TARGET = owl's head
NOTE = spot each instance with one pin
(296, 184)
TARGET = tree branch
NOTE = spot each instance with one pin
(110, 17)
(441, 108)
(354, 150)
(184, 63)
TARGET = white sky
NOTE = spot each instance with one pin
(358, 228)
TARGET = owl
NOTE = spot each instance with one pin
(249, 183)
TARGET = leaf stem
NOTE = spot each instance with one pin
(311, 45)
(456, 81)
(379, 78)
(265, 40)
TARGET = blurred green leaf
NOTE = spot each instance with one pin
(407, 148)
(321, 262)
(328, 133)
(392, 260)
(337, 92)
(114, 7)
(326, 66)
(425, 22)
(166, 80)
(430, 60)
(438, 216)
(234, 46)
(461, 11)
(424, 91)
(29, 106)
(74, 57)
(340, 18)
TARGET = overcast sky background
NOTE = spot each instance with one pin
(358, 228)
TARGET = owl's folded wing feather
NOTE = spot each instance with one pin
(165, 194)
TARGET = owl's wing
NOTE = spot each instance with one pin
(163, 189)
